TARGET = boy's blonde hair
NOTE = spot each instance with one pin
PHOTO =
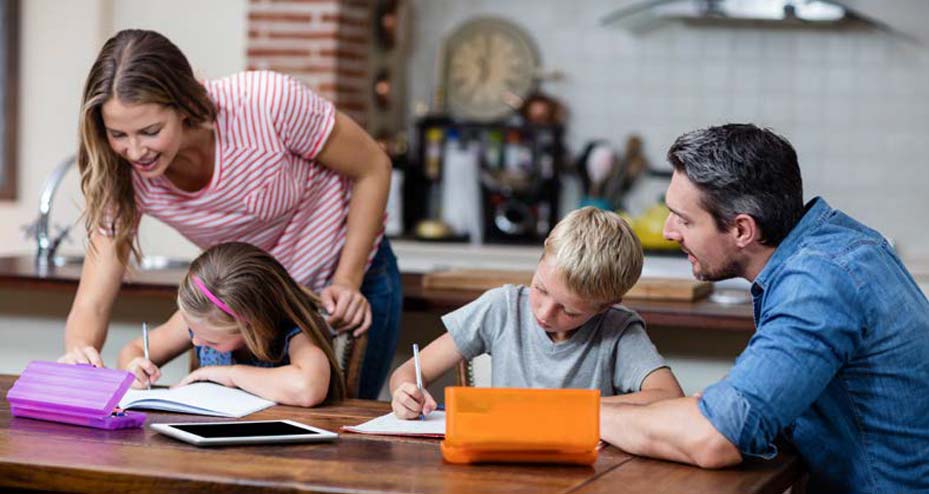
(596, 253)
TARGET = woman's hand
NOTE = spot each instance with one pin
(82, 355)
(408, 402)
(219, 374)
(348, 308)
(145, 372)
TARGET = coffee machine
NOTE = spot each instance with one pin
(517, 168)
(520, 192)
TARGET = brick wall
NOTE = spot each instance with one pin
(324, 43)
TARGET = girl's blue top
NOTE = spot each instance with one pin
(209, 356)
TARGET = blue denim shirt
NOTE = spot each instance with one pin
(839, 363)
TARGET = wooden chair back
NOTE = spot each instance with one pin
(350, 354)
(475, 372)
(465, 373)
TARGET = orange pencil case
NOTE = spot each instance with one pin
(484, 425)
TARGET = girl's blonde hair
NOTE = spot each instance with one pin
(597, 253)
(136, 67)
(264, 299)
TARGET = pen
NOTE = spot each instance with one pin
(419, 376)
(145, 346)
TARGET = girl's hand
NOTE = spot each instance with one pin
(408, 403)
(82, 355)
(145, 372)
(348, 308)
(219, 374)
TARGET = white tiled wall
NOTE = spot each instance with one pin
(855, 104)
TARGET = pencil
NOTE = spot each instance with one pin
(145, 346)
(419, 376)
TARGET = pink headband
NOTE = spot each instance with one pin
(213, 298)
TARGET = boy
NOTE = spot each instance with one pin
(562, 332)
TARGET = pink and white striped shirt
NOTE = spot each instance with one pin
(267, 187)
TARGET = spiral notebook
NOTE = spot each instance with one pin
(200, 398)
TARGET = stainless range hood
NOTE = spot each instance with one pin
(647, 15)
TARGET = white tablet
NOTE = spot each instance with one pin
(244, 432)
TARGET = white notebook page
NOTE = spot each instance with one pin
(201, 398)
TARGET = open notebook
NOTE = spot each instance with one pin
(200, 398)
(432, 426)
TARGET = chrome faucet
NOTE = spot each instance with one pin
(45, 242)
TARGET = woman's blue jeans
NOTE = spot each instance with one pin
(383, 289)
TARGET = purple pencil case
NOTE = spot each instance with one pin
(74, 394)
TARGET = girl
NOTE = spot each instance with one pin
(253, 328)
(255, 157)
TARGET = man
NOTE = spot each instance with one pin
(839, 362)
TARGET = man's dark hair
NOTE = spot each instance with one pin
(740, 168)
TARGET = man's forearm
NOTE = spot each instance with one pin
(642, 397)
(671, 429)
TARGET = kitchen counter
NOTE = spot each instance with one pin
(415, 260)
(427, 257)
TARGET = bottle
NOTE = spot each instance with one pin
(432, 169)
(517, 157)
(433, 154)
(493, 149)
(545, 154)
(460, 187)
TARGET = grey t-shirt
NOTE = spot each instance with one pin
(611, 352)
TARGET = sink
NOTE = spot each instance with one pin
(156, 263)
(148, 263)
(62, 261)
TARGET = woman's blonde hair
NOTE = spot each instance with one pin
(597, 254)
(136, 67)
(265, 300)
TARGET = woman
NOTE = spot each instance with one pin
(255, 157)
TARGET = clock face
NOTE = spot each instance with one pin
(490, 65)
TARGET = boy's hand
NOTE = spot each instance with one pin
(219, 374)
(82, 355)
(408, 402)
(145, 372)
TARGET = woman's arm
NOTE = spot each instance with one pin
(436, 359)
(352, 153)
(165, 343)
(101, 276)
(304, 382)
(659, 385)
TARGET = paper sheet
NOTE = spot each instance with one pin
(432, 426)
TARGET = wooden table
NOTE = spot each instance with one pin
(47, 456)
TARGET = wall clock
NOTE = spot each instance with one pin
(490, 67)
